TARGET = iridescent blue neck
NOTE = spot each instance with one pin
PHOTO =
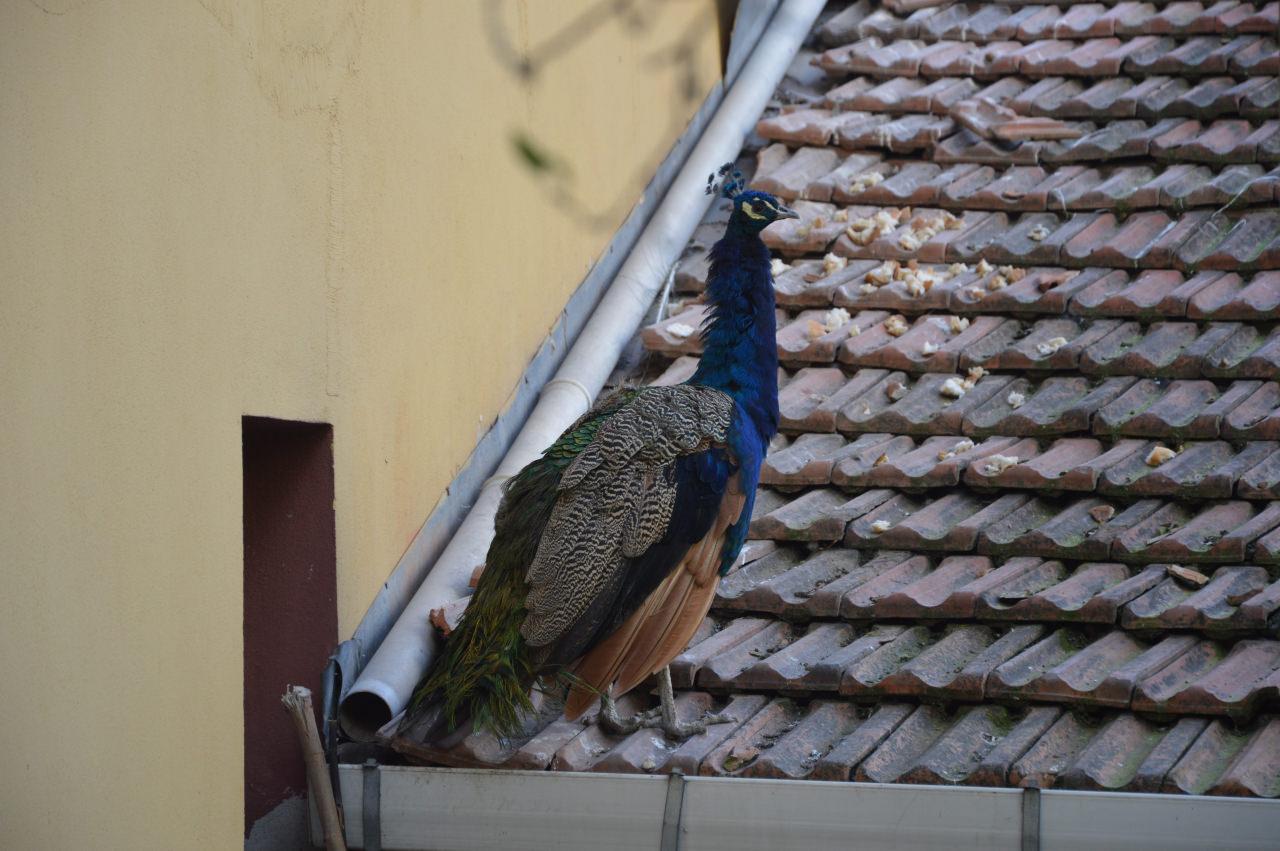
(740, 350)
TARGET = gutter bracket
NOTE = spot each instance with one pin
(371, 808)
(1031, 819)
(673, 811)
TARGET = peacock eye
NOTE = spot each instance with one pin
(757, 205)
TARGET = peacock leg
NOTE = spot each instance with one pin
(670, 723)
(614, 723)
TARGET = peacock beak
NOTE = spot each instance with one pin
(787, 213)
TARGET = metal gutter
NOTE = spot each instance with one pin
(408, 647)
(435, 808)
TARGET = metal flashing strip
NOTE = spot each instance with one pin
(425, 808)
(673, 811)
(371, 806)
(1031, 819)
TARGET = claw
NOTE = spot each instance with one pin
(614, 723)
(663, 716)
(681, 730)
(671, 724)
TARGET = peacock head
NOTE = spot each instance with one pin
(753, 210)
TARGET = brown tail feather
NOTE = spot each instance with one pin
(677, 636)
(599, 667)
(666, 634)
(637, 664)
(664, 623)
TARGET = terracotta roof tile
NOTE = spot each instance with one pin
(678, 334)
(952, 522)
(1209, 679)
(845, 25)
(754, 734)
(806, 461)
(811, 233)
(1242, 243)
(807, 284)
(926, 748)
(865, 453)
(1116, 756)
(685, 667)
(805, 126)
(796, 172)
(951, 663)
(801, 401)
(889, 584)
(1067, 464)
(1177, 409)
(830, 739)
(1226, 760)
(1057, 405)
(1043, 290)
(1177, 674)
(797, 752)
(835, 185)
(821, 515)
(1047, 344)
(1066, 667)
(1261, 481)
(1206, 470)
(789, 588)
(975, 747)
(1059, 749)
(816, 336)
(743, 587)
(936, 462)
(895, 296)
(1215, 608)
(855, 596)
(1036, 53)
(647, 750)
(1217, 532)
(1044, 591)
(838, 762)
(1257, 417)
(1056, 529)
(930, 345)
(1150, 294)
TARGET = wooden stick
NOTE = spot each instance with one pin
(297, 699)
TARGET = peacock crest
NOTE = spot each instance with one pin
(726, 182)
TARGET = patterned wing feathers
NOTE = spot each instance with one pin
(616, 499)
(591, 532)
(659, 424)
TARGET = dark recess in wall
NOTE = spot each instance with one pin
(290, 595)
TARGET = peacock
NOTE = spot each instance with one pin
(609, 547)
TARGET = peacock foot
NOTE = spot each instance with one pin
(667, 719)
(678, 730)
(616, 724)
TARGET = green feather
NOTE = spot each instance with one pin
(486, 670)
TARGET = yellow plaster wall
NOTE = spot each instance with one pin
(307, 210)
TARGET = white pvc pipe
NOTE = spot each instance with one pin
(384, 686)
